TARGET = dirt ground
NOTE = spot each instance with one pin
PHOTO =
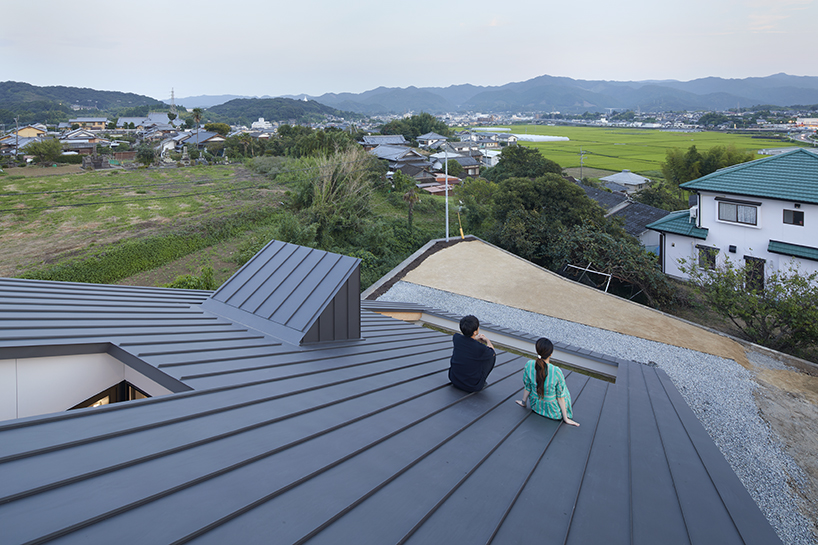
(786, 399)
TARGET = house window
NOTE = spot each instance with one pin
(738, 213)
(707, 257)
(794, 217)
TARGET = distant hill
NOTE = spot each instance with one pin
(247, 110)
(206, 101)
(567, 95)
(53, 104)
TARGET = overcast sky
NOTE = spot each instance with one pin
(270, 47)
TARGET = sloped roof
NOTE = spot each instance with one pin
(626, 177)
(679, 223)
(606, 199)
(791, 176)
(431, 136)
(360, 442)
(794, 250)
(393, 153)
(638, 216)
(615, 187)
(285, 288)
(388, 139)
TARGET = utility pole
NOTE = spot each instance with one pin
(17, 136)
(446, 186)
(581, 162)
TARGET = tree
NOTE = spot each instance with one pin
(171, 116)
(220, 128)
(145, 154)
(659, 195)
(521, 162)
(454, 168)
(406, 187)
(561, 201)
(333, 192)
(679, 167)
(477, 200)
(782, 314)
(416, 125)
(197, 116)
(45, 151)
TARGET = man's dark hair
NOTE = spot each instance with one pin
(468, 325)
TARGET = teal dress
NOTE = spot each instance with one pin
(554, 387)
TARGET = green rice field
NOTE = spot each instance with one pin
(638, 150)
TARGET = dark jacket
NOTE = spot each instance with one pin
(471, 363)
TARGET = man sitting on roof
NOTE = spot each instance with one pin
(473, 357)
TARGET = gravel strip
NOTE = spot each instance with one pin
(718, 390)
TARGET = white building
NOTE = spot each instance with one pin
(763, 214)
(261, 124)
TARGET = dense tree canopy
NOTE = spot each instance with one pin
(45, 151)
(521, 162)
(680, 167)
(221, 128)
(414, 126)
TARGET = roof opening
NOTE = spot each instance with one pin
(52, 384)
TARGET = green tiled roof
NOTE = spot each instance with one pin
(679, 223)
(794, 250)
(791, 176)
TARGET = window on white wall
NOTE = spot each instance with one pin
(738, 213)
(794, 217)
(707, 257)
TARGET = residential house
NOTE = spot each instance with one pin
(281, 408)
(762, 214)
(93, 123)
(635, 216)
(82, 141)
(372, 141)
(31, 131)
(201, 139)
(422, 175)
(471, 166)
(491, 157)
(398, 156)
(430, 140)
(630, 181)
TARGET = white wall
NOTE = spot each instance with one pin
(33, 386)
(752, 240)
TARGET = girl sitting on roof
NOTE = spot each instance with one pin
(545, 386)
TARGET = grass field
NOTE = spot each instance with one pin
(44, 218)
(638, 150)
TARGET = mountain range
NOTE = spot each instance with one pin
(549, 93)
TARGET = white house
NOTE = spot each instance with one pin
(763, 214)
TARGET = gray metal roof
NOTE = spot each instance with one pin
(387, 139)
(606, 199)
(349, 442)
(285, 290)
(637, 216)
